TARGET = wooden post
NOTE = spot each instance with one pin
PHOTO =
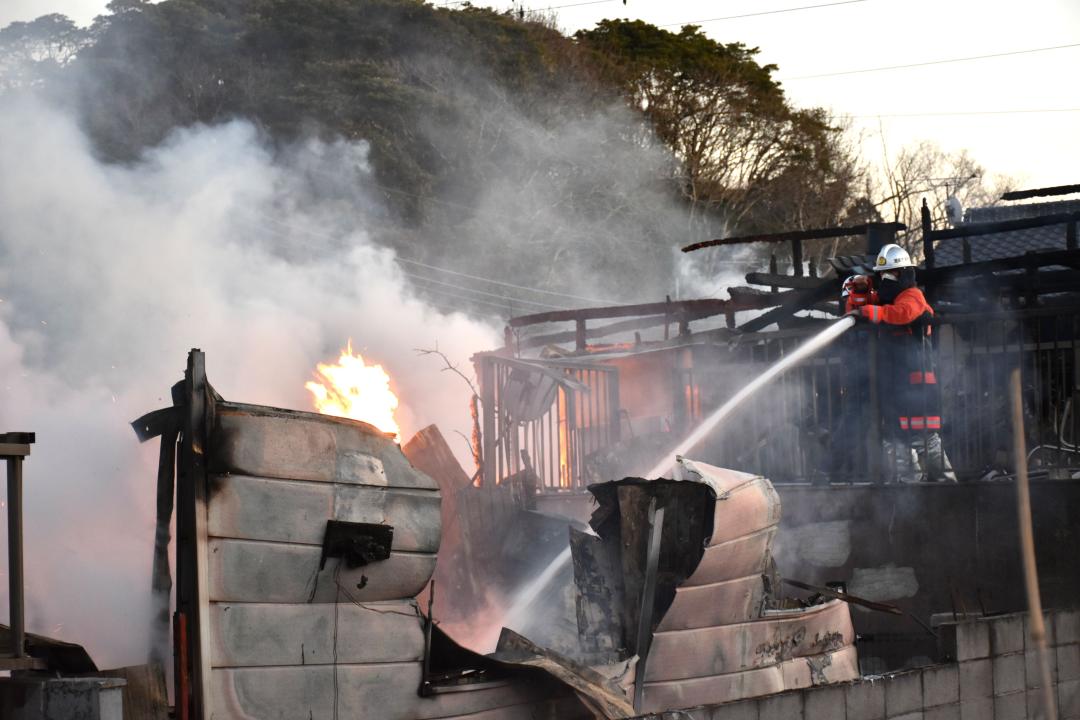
(796, 258)
(927, 235)
(873, 441)
(580, 339)
(1027, 545)
(967, 250)
(15, 447)
(878, 235)
(487, 401)
(773, 270)
(648, 593)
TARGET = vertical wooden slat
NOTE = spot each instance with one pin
(487, 399)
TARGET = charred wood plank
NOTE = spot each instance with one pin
(1041, 192)
(693, 309)
(989, 228)
(785, 281)
(797, 300)
(1067, 258)
(814, 234)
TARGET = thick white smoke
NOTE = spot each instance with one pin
(110, 274)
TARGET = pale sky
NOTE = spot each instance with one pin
(1039, 148)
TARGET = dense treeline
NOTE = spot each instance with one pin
(497, 144)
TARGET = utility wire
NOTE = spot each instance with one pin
(486, 294)
(287, 227)
(932, 62)
(499, 282)
(506, 307)
(553, 7)
(766, 12)
(963, 112)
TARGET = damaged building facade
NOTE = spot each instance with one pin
(323, 570)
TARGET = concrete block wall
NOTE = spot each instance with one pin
(35, 697)
(991, 673)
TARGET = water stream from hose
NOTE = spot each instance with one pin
(517, 614)
(707, 425)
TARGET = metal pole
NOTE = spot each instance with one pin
(1027, 544)
(15, 556)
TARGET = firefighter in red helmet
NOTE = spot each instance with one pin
(910, 397)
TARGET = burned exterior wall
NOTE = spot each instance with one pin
(928, 549)
(302, 541)
(680, 576)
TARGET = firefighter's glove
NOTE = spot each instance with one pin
(857, 314)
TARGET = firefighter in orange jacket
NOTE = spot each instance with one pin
(909, 396)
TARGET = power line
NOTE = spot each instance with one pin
(766, 12)
(507, 307)
(552, 7)
(286, 227)
(499, 282)
(482, 292)
(959, 113)
(933, 62)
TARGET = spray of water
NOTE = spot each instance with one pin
(517, 615)
(805, 350)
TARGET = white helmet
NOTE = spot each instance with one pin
(892, 257)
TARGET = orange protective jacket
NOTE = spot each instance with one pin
(912, 398)
(908, 307)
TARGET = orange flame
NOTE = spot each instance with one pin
(353, 389)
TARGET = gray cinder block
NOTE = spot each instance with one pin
(1009, 674)
(941, 685)
(903, 693)
(825, 703)
(976, 680)
(866, 700)
(1006, 634)
(943, 712)
(786, 706)
(1011, 707)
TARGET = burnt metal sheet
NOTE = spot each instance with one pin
(255, 571)
(775, 638)
(383, 691)
(267, 442)
(252, 508)
(264, 634)
(742, 556)
(797, 673)
(729, 601)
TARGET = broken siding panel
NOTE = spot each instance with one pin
(723, 603)
(254, 508)
(745, 555)
(260, 635)
(265, 442)
(795, 674)
(386, 691)
(256, 571)
(724, 649)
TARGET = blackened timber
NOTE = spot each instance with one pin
(1041, 192)
(693, 309)
(1067, 258)
(596, 332)
(815, 234)
(989, 228)
(927, 234)
(780, 280)
(793, 302)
